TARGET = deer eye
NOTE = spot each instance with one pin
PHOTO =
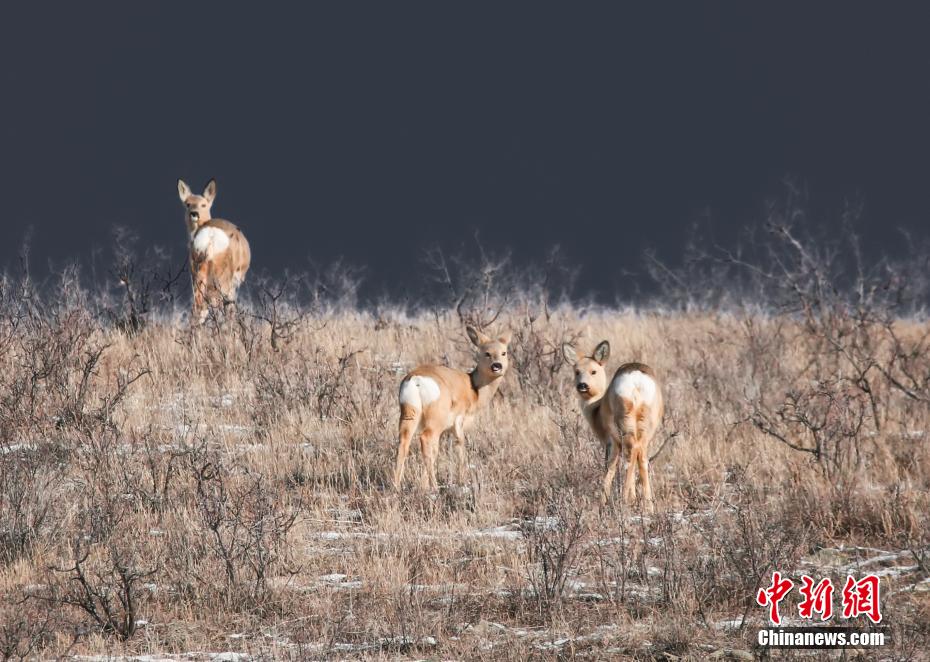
(487, 354)
(594, 372)
(503, 353)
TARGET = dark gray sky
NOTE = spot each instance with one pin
(372, 130)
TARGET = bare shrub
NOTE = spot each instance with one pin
(825, 420)
(248, 529)
(26, 628)
(30, 485)
(155, 470)
(849, 359)
(746, 541)
(285, 306)
(228, 490)
(480, 286)
(58, 349)
(146, 282)
(106, 586)
(553, 544)
(538, 362)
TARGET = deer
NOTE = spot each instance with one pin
(624, 415)
(219, 253)
(434, 399)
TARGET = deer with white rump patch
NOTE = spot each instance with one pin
(624, 415)
(219, 252)
(434, 399)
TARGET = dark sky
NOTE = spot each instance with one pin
(373, 130)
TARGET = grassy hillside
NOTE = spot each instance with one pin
(164, 491)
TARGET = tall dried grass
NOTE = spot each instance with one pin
(166, 490)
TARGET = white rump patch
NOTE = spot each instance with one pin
(636, 386)
(419, 391)
(210, 241)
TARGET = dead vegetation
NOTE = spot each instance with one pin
(164, 490)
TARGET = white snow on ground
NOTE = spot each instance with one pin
(15, 448)
(512, 531)
(228, 656)
(186, 429)
(333, 578)
(729, 624)
(918, 587)
(895, 571)
(873, 565)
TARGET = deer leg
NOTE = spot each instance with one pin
(215, 292)
(200, 272)
(643, 462)
(230, 293)
(613, 461)
(607, 448)
(460, 449)
(429, 445)
(632, 439)
(629, 484)
(408, 427)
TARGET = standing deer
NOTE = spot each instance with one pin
(434, 398)
(219, 252)
(624, 415)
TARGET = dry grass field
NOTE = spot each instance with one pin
(224, 492)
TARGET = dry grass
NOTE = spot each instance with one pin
(170, 491)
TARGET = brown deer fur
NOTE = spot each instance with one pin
(219, 252)
(434, 399)
(624, 414)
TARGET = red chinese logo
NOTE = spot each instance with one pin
(817, 599)
(861, 598)
(774, 594)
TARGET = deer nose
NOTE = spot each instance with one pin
(582, 387)
(195, 216)
(496, 367)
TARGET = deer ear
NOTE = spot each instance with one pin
(209, 192)
(477, 338)
(505, 337)
(184, 191)
(601, 352)
(570, 353)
